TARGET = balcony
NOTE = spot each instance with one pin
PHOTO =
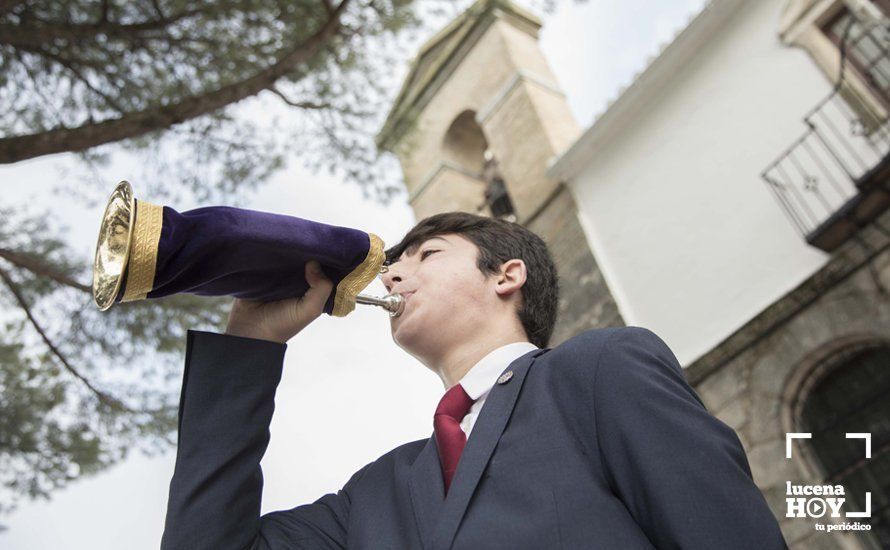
(833, 180)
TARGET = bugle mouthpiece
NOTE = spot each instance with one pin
(393, 303)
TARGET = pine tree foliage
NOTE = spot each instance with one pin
(76, 75)
(79, 388)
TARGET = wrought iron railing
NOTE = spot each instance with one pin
(830, 170)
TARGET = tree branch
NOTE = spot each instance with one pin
(39, 268)
(18, 148)
(102, 396)
(39, 89)
(158, 10)
(300, 104)
(71, 66)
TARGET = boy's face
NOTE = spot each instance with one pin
(447, 297)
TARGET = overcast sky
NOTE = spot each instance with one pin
(321, 432)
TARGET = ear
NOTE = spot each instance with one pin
(511, 278)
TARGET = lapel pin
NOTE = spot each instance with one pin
(505, 377)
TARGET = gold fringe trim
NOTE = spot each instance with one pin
(144, 252)
(359, 278)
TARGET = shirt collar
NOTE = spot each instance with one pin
(479, 379)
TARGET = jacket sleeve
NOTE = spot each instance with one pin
(226, 405)
(681, 472)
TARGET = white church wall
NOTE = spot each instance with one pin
(690, 240)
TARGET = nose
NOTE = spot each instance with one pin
(390, 278)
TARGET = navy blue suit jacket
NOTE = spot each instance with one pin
(597, 443)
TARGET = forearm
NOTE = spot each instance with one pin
(226, 406)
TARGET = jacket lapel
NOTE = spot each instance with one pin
(427, 490)
(483, 439)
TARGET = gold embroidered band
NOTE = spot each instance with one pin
(144, 255)
(361, 276)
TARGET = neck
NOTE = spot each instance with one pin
(458, 359)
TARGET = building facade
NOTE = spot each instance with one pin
(733, 199)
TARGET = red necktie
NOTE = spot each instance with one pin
(450, 438)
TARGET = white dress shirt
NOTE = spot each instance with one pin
(481, 378)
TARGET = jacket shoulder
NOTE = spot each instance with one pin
(580, 354)
(598, 336)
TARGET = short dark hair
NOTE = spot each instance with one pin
(499, 241)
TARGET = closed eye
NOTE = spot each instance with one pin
(424, 253)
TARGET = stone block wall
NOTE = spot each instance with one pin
(751, 380)
(585, 301)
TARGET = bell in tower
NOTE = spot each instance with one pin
(497, 199)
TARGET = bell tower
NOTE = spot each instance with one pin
(476, 123)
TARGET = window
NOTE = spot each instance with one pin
(865, 46)
(853, 397)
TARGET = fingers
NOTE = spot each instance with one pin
(316, 277)
(314, 273)
(319, 287)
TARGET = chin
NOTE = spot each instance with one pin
(411, 337)
(404, 338)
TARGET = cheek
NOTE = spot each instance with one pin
(465, 290)
(450, 304)
(449, 291)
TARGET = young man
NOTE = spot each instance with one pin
(596, 443)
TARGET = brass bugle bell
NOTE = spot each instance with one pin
(150, 251)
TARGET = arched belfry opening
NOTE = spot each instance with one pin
(465, 147)
(464, 143)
